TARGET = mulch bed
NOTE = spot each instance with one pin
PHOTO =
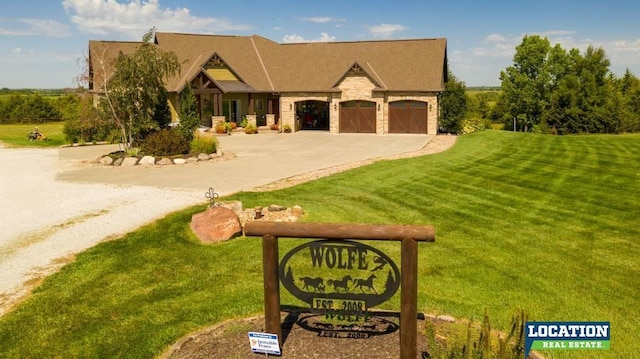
(302, 339)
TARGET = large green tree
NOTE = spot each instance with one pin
(550, 89)
(131, 96)
(524, 83)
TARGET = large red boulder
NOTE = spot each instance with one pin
(216, 224)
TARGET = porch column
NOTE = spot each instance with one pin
(251, 109)
(217, 104)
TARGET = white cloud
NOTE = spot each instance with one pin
(495, 38)
(323, 19)
(552, 33)
(293, 38)
(385, 30)
(133, 18)
(36, 27)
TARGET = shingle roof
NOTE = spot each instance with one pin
(266, 66)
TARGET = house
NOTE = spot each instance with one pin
(342, 87)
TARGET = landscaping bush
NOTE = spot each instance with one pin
(470, 125)
(203, 143)
(251, 129)
(166, 142)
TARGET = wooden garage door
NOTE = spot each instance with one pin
(358, 117)
(408, 117)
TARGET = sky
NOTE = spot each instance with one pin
(43, 43)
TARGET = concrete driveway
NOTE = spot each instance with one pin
(257, 160)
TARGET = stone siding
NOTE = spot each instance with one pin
(357, 87)
(288, 106)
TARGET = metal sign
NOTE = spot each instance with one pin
(340, 279)
(338, 261)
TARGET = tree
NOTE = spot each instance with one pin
(130, 97)
(524, 84)
(82, 122)
(189, 119)
(162, 112)
(453, 105)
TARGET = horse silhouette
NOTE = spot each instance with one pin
(368, 283)
(343, 283)
(317, 284)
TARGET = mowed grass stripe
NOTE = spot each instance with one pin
(546, 224)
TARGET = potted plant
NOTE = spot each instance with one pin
(274, 126)
(221, 127)
(286, 128)
(251, 129)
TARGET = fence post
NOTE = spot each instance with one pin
(271, 285)
(409, 299)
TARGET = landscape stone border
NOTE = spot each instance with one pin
(107, 160)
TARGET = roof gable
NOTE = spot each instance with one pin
(357, 69)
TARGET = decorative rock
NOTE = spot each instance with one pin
(297, 211)
(276, 208)
(97, 159)
(217, 153)
(446, 318)
(216, 224)
(203, 157)
(129, 161)
(192, 159)
(179, 161)
(147, 160)
(106, 160)
(292, 218)
(165, 161)
(118, 161)
(235, 206)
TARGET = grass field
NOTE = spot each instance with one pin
(547, 224)
(16, 134)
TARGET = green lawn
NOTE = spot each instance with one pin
(16, 134)
(547, 224)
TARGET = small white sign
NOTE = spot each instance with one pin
(264, 343)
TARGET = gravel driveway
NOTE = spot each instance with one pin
(45, 222)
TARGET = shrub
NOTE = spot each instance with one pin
(203, 143)
(470, 125)
(478, 341)
(166, 142)
(250, 129)
(286, 128)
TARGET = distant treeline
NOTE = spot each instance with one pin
(34, 106)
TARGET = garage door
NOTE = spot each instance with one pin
(358, 117)
(408, 117)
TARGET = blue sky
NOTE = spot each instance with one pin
(43, 42)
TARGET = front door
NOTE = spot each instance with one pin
(230, 110)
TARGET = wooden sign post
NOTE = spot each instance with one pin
(408, 235)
